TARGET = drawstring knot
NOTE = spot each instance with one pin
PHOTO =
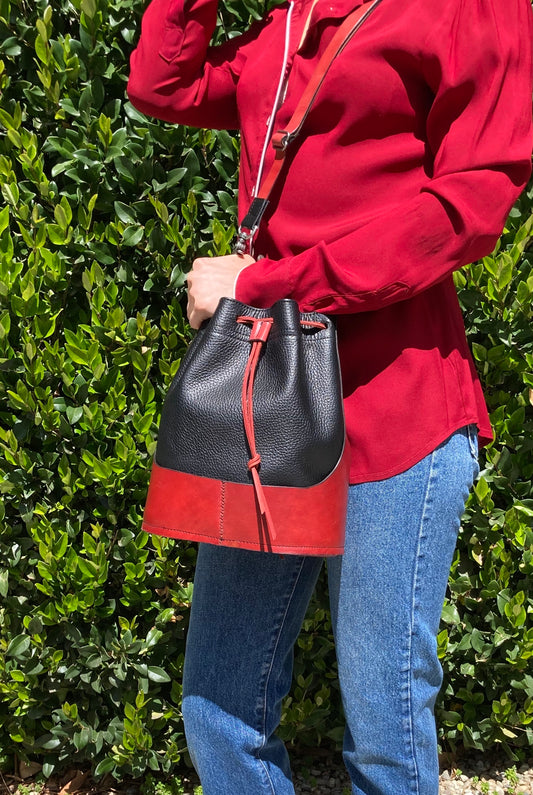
(254, 462)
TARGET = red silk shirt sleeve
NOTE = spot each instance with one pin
(477, 61)
(176, 76)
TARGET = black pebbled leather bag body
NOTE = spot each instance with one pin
(297, 401)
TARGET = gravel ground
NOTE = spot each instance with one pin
(469, 777)
(321, 774)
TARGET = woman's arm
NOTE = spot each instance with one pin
(477, 60)
(176, 76)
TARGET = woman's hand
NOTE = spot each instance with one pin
(211, 279)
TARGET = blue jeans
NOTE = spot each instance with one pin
(386, 595)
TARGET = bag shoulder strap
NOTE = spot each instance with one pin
(281, 139)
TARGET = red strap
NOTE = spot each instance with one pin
(282, 138)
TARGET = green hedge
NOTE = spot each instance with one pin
(104, 211)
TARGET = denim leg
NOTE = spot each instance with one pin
(386, 594)
(247, 611)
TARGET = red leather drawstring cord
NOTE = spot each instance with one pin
(312, 324)
(258, 336)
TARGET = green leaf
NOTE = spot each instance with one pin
(4, 583)
(125, 213)
(11, 193)
(107, 765)
(4, 219)
(56, 233)
(61, 218)
(18, 647)
(132, 235)
(77, 355)
(482, 489)
(157, 674)
(10, 47)
(74, 414)
(51, 744)
(89, 8)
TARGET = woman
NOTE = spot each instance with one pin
(417, 146)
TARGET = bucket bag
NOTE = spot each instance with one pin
(251, 450)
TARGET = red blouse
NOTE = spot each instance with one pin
(417, 146)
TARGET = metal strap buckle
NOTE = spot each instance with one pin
(243, 242)
(249, 226)
(281, 139)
